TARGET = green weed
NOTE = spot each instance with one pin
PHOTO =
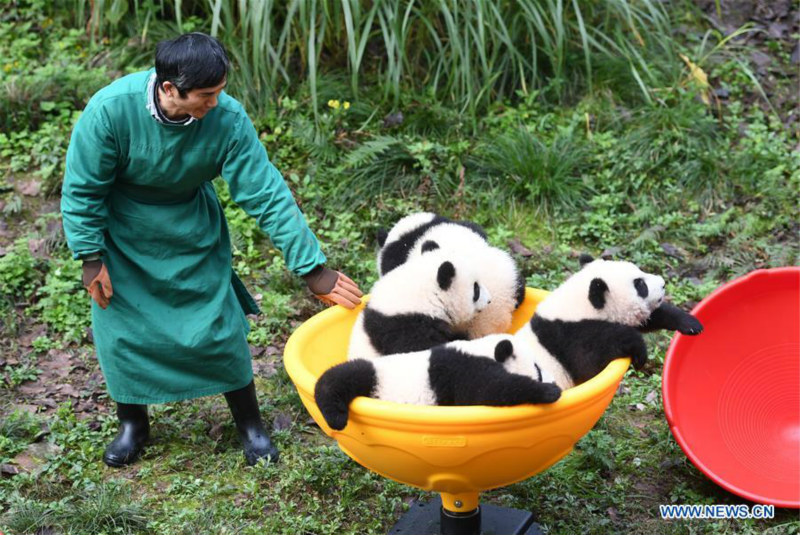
(545, 175)
(62, 301)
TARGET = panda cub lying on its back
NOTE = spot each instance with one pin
(423, 303)
(596, 316)
(416, 234)
(494, 370)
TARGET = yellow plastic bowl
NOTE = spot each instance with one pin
(456, 451)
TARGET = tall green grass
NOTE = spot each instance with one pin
(467, 53)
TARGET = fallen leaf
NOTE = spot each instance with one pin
(517, 248)
(761, 59)
(281, 421)
(26, 340)
(31, 409)
(31, 390)
(68, 390)
(8, 470)
(393, 119)
(611, 252)
(216, 430)
(33, 458)
(31, 188)
(672, 251)
(38, 248)
(49, 403)
(699, 76)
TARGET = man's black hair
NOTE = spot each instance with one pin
(192, 61)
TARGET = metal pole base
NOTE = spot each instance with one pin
(429, 518)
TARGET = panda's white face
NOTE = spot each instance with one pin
(458, 292)
(607, 290)
(435, 284)
(517, 357)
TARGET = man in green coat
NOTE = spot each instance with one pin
(139, 210)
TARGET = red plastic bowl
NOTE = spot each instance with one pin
(732, 394)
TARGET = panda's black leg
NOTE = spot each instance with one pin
(668, 316)
(339, 386)
(501, 388)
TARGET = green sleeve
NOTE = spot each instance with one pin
(90, 171)
(258, 187)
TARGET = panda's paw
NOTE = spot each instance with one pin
(690, 325)
(637, 350)
(336, 420)
(547, 393)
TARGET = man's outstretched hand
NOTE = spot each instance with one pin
(333, 287)
(97, 282)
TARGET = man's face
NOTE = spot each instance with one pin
(198, 102)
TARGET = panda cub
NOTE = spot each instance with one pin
(423, 303)
(494, 370)
(419, 233)
(596, 316)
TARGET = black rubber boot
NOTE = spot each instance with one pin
(134, 430)
(255, 441)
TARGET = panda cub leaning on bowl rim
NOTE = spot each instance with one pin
(423, 303)
(416, 234)
(494, 370)
(596, 316)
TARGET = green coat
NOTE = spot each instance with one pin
(139, 192)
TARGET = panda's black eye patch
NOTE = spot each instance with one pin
(429, 245)
(476, 292)
(445, 275)
(641, 288)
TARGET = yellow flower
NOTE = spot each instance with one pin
(346, 105)
(333, 104)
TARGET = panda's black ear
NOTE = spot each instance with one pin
(585, 259)
(429, 245)
(381, 235)
(445, 276)
(597, 293)
(503, 350)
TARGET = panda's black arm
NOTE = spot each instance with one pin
(503, 389)
(460, 379)
(630, 343)
(402, 333)
(668, 316)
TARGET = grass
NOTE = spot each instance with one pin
(650, 173)
(467, 54)
(542, 174)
